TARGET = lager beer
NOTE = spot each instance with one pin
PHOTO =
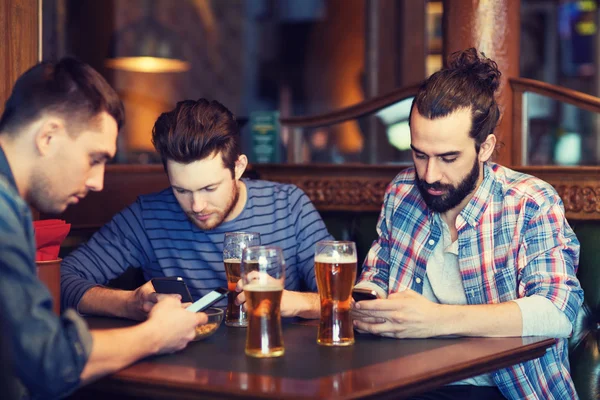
(263, 277)
(335, 279)
(234, 244)
(235, 315)
(264, 337)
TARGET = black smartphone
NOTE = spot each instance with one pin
(360, 294)
(172, 285)
(208, 300)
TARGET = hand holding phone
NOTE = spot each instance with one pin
(360, 294)
(172, 285)
(208, 300)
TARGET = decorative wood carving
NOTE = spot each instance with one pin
(580, 199)
(343, 194)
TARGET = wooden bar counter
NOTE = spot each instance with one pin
(374, 367)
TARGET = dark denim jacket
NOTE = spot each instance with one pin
(48, 352)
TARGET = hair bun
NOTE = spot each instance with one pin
(476, 64)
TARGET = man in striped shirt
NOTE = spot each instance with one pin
(468, 247)
(180, 230)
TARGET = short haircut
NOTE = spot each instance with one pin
(195, 130)
(69, 88)
(469, 82)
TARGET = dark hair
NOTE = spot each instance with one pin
(469, 82)
(194, 130)
(68, 88)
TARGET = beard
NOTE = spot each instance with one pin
(454, 194)
(218, 216)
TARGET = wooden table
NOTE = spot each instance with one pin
(374, 367)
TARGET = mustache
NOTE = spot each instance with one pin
(435, 185)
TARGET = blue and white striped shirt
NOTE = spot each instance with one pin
(155, 234)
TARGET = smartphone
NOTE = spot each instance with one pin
(208, 300)
(360, 294)
(172, 285)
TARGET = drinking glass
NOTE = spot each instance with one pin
(263, 277)
(335, 268)
(233, 246)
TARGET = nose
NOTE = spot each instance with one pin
(432, 173)
(95, 181)
(198, 202)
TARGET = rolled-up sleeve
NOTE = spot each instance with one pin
(548, 260)
(376, 268)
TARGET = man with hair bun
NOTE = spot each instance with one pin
(468, 247)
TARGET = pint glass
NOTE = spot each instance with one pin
(233, 246)
(263, 276)
(335, 268)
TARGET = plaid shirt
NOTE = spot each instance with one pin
(513, 241)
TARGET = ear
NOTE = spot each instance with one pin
(48, 134)
(240, 166)
(487, 148)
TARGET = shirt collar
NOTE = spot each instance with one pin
(474, 209)
(5, 169)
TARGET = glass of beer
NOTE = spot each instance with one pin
(335, 268)
(233, 246)
(263, 277)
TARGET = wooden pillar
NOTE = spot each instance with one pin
(19, 23)
(19, 42)
(493, 27)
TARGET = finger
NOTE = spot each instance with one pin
(151, 296)
(240, 299)
(147, 306)
(185, 305)
(362, 314)
(371, 320)
(376, 305)
(201, 318)
(240, 286)
(162, 296)
(377, 329)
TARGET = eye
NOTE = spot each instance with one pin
(180, 191)
(419, 156)
(448, 160)
(211, 189)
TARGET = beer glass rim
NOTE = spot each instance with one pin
(336, 242)
(241, 233)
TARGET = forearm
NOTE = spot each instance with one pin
(491, 320)
(108, 302)
(300, 304)
(106, 357)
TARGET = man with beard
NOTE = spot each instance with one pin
(180, 230)
(57, 131)
(468, 247)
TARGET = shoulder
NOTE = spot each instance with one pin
(403, 188)
(153, 203)
(10, 199)
(275, 190)
(520, 187)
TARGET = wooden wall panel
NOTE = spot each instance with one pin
(355, 188)
(18, 42)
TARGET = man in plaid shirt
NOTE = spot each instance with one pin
(468, 247)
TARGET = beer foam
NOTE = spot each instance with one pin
(232, 260)
(257, 287)
(335, 258)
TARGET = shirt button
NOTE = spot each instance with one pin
(418, 280)
(431, 242)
